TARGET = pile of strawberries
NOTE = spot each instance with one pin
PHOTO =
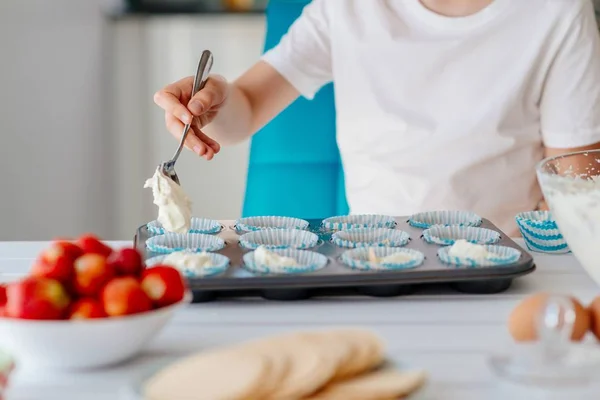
(85, 279)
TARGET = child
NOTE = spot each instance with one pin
(441, 104)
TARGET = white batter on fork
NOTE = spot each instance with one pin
(174, 206)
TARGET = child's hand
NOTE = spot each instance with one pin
(200, 111)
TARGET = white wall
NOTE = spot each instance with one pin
(78, 130)
(55, 159)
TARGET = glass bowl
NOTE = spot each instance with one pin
(571, 186)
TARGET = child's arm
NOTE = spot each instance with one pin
(227, 112)
(231, 112)
(570, 103)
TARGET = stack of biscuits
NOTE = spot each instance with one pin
(343, 364)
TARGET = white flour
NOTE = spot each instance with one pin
(575, 205)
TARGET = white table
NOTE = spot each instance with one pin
(449, 335)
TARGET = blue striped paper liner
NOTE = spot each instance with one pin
(308, 261)
(279, 239)
(369, 237)
(344, 222)
(448, 235)
(220, 265)
(194, 242)
(358, 259)
(251, 224)
(504, 256)
(198, 225)
(540, 232)
(446, 218)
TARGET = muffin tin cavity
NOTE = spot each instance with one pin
(446, 218)
(369, 237)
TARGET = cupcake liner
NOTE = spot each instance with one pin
(504, 256)
(448, 235)
(308, 261)
(358, 221)
(540, 232)
(446, 218)
(279, 239)
(194, 242)
(358, 259)
(252, 224)
(198, 225)
(220, 264)
(370, 237)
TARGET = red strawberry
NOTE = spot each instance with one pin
(87, 309)
(91, 274)
(2, 295)
(56, 262)
(163, 284)
(124, 296)
(2, 300)
(69, 248)
(36, 298)
(127, 262)
(92, 245)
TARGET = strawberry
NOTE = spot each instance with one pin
(163, 284)
(56, 262)
(91, 274)
(36, 298)
(87, 309)
(2, 295)
(127, 261)
(92, 245)
(124, 296)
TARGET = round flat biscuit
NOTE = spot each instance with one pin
(218, 375)
(378, 385)
(311, 366)
(280, 363)
(366, 352)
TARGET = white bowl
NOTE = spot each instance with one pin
(82, 344)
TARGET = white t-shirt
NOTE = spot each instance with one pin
(436, 112)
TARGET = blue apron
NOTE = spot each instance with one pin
(294, 167)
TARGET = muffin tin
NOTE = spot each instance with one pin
(337, 279)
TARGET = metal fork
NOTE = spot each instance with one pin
(204, 66)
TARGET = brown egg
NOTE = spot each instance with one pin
(522, 320)
(595, 314)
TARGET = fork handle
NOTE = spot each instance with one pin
(204, 66)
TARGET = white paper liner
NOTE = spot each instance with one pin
(308, 261)
(251, 224)
(504, 256)
(447, 218)
(279, 239)
(344, 222)
(359, 258)
(370, 237)
(198, 225)
(448, 235)
(220, 263)
(540, 233)
(193, 242)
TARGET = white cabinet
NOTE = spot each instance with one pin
(149, 53)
